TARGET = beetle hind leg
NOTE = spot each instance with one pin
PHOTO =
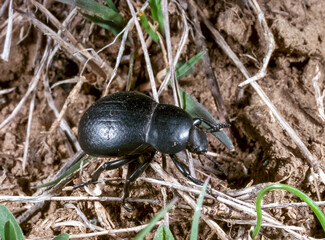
(105, 167)
(134, 175)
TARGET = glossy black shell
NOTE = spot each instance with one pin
(130, 123)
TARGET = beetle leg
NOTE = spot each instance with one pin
(184, 169)
(164, 163)
(186, 172)
(137, 173)
(213, 127)
(107, 166)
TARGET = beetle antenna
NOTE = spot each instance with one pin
(218, 127)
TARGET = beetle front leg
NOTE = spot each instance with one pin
(184, 169)
(213, 127)
(186, 172)
(105, 167)
(136, 173)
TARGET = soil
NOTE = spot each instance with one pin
(264, 152)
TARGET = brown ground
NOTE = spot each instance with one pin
(264, 151)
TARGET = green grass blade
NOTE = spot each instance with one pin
(104, 24)
(196, 110)
(98, 9)
(71, 170)
(187, 67)
(293, 190)
(163, 233)
(63, 236)
(197, 212)
(141, 235)
(146, 26)
(112, 5)
(5, 217)
(193, 107)
(10, 231)
(157, 15)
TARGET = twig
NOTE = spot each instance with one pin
(110, 232)
(73, 47)
(119, 55)
(286, 205)
(6, 91)
(76, 224)
(29, 124)
(319, 97)
(270, 46)
(70, 80)
(70, 99)
(145, 52)
(6, 47)
(201, 45)
(173, 185)
(36, 199)
(81, 214)
(4, 8)
(304, 150)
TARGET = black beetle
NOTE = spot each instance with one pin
(129, 124)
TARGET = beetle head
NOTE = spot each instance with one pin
(197, 141)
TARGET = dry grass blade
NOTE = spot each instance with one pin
(6, 47)
(164, 8)
(81, 214)
(6, 91)
(145, 52)
(47, 197)
(180, 48)
(29, 124)
(70, 99)
(318, 96)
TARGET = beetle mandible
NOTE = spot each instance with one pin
(129, 124)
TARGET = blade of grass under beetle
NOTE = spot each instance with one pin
(85, 159)
(5, 216)
(146, 26)
(156, 13)
(196, 110)
(141, 235)
(163, 233)
(98, 9)
(197, 213)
